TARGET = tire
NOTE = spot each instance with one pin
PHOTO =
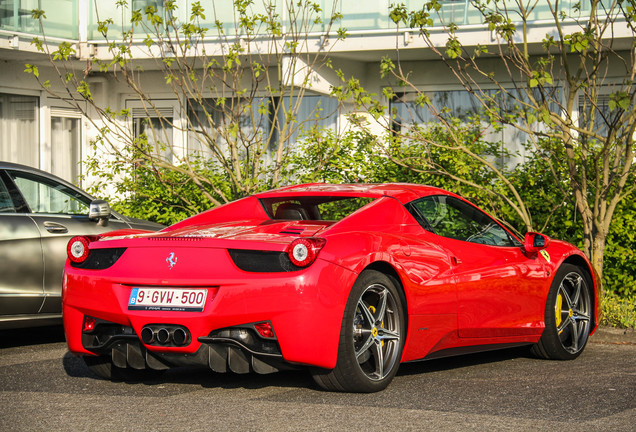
(103, 367)
(568, 315)
(371, 337)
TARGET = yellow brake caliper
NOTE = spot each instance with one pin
(375, 332)
(557, 310)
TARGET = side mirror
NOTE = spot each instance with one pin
(99, 210)
(534, 242)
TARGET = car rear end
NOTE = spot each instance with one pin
(229, 296)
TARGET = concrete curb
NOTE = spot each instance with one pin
(611, 335)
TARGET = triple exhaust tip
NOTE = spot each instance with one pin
(164, 336)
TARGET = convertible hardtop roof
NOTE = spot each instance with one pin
(248, 208)
(404, 192)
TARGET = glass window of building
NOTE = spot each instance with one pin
(19, 129)
(261, 120)
(66, 149)
(154, 126)
(462, 105)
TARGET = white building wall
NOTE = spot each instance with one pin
(359, 55)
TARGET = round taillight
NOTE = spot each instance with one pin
(77, 249)
(303, 251)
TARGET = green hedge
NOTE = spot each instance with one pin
(168, 196)
(358, 157)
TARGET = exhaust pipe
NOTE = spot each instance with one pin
(147, 335)
(168, 335)
(163, 336)
(179, 337)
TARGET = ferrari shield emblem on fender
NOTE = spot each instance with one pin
(545, 254)
(171, 260)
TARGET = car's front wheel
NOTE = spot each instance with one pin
(371, 338)
(568, 315)
(103, 367)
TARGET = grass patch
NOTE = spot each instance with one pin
(618, 311)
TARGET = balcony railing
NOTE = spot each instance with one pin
(63, 20)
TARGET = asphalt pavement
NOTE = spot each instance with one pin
(614, 335)
(43, 388)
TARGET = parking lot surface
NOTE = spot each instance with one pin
(43, 387)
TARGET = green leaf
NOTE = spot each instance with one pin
(386, 67)
(37, 14)
(453, 48)
(398, 13)
(32, 69)
(84, 89)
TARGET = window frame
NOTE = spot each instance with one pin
(23, 205)
(426, 224)
(168, 111)
(64, 113)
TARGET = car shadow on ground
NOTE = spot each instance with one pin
(464, 360)
(200, 376)
(206, 378)
(31, 336)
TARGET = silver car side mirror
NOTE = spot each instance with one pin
(99, 210)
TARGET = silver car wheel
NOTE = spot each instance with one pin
(372, 336)
(376, 332)
(572, 312)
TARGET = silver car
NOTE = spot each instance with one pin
(39, 213)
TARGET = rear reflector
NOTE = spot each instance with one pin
(265, 329)
(89, 324)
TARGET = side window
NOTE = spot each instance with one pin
(6, 204)
(47, 196)
(450, 217)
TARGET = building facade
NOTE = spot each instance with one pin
(45, 132)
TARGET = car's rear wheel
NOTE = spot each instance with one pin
(103, 367)
(568, 315)
(371, 338)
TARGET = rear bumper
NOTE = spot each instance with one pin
(238, 349)
(305, 309)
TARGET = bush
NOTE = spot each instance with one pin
(358, 157)
(162, 195)
(619, 311)
(619, 274)
(167, 197)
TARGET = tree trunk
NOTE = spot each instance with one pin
(595, 249)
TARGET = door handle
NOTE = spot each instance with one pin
(55, 228)
(456, 261)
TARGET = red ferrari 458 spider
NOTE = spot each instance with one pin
(345, 280)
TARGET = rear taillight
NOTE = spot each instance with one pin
(77, 249)
(303, 251)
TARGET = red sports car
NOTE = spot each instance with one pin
(346, 280)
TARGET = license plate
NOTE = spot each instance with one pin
(167, 299)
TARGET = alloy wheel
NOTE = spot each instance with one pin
(376, 332)
(572, 312)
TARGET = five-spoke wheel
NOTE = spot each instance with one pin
(371, 338)
(376, 332)
(568, 315)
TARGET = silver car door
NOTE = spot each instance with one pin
(21, 263)
(59, 212)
